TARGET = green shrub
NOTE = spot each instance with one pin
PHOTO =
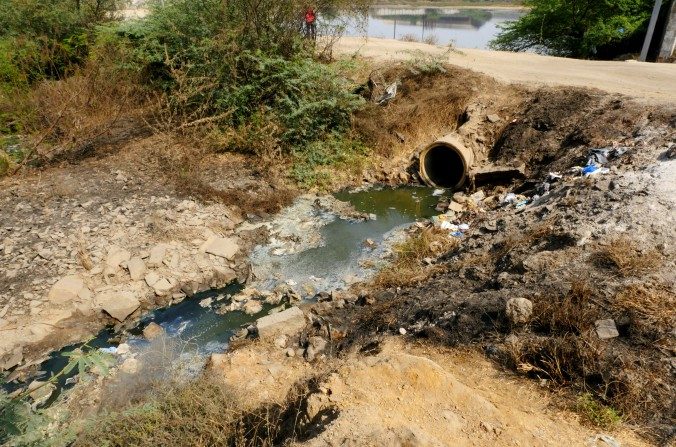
(241, 73)
(334, 151)
(596, 413)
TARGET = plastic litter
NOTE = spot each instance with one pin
(599, 156)
(463, 227)
(445, 225)
(602, 155)
(522, 204)
(111, 350)
(553, 177)
(509, 198)
(390, 94)
(438, 192)
(457, 234)
(594, 169)
(608, 441)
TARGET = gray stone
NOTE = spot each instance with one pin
(118, 304)
(493, 118)
(315, 346)
(162, 287)
(519, 310)
(157, 254)
(252, 307)
(222, 247)
(287, 322)
(68, 290)
(137, 268)
(152, 331)
(606, 329)
(151, 278)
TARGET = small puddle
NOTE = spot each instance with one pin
(339, 254)
(310, 246)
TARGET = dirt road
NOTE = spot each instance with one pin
(652, 82)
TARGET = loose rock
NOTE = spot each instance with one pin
(289, 321)
(152, 331)
(519, 310)
(222, 247)
(137, 268)
(118, 304)
(606, 329)
(69, 289)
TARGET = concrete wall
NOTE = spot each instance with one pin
(669, 40)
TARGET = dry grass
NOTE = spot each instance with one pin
(75, 116)
(193, 186)
(205, 413)
(432, 40)
(573, 313)
(651, 308)
(625, 257)
(427, 104)
(622, 378)
(408, 266)
(409, 38)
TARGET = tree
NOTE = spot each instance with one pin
(575, 28)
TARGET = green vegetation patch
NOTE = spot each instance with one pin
(586, 28)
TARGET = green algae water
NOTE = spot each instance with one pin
(344, 255)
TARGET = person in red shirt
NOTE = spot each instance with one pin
(311, 23)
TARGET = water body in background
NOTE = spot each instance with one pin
(464, 28)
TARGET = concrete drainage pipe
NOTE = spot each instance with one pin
(446, 163)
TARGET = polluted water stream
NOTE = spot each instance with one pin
(311, 248)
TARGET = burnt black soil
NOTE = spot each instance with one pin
(542, 254)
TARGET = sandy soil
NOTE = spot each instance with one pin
(652, 82)
(416, 395)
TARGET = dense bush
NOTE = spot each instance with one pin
(576, 28)
(240, 73)
(234, 75)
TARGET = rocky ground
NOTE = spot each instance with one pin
(102, 242)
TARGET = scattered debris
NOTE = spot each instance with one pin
(389, 95)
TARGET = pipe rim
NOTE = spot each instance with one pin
(423, 171)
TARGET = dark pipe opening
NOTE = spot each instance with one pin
(444, 166)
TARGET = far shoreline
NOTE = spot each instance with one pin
(450, 4)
